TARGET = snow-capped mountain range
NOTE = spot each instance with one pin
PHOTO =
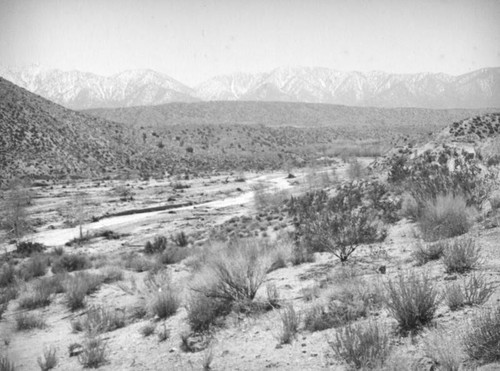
(81, 90)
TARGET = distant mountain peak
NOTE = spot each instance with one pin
(81, 90)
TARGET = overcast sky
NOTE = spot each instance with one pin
(192, 40)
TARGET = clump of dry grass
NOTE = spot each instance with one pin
(28, 321)
(474, 290)
(290, 321)
(412, 299)
(461, 255)
(444, 348)
(361, 346)
(49, 359)
(445, 217)
(481, 339)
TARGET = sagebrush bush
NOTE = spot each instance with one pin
(172, 255)
(236, 272)
(461, 255)
(28, 321)
(445, 217)
(412, 300)
(204, 312)
(444, 348)
(7, 275)
(361, 346)
(94, 353)
(49, 359)
(36, 266)
(165, 303)
(290, 321)
(139, 263)
(180, 239)
(98, 320)
(26, 248)
(158, 245)
(481, 340)
(70, 263)
(148, 329)
(474, 290)
(424, 253)
(38, 295)
(6, 364)
(78, 287)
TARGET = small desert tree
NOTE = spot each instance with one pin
(14, 216)
(78, 210)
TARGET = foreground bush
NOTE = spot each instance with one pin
(445, 217)
(290, 321)
(424, 253)
(95, 352)
(98, 320)
(26, 248)
(361, 346)
(28, 321)
(204, 312)
(473, 291)
(49, 359)
(39, 295)
(412, 300)
(461, 255)
(482, 338)
(444, 348)
(7, 275)
(165, 304)
(71, 263)
(78, 287)
(6, 364)
(36, 266)
(235, 272)
(158, 245)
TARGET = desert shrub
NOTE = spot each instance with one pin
(139, 263)
(98, 320)
(461, 255)
(474, 290)
(94, 353)
(54, 283)
(355, 170)
(39, 295)
(165, 304)
(111, 274)
(49, 359)
(180, 239)
(361, 346)
(335, 314)
(424, 253)
(409, 207)
(148, 329)
(444, 348)
(172, 255)
(340, 223)
(412, 300)
(28, 321)
(290, 321)
(6, 364)
(481, 340)
(268, 198)
(7, 275)
(26, 248)
(6, 295)
(70, 263)
(180, 185)
(428, 175)
(203, 312)
(445, 217)
(236, 272)
(163, 333)
(301, 253)
(36, 266)
(78, 287)
(352, 302)
(158, 245)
